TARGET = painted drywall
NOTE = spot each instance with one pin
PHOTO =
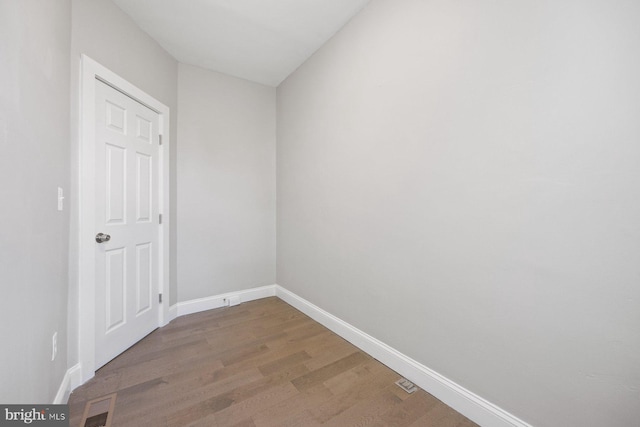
(34, 236)
(460, 180)
(226, 184)
(107, 35)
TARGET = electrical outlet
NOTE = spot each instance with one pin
(54, 346)
(231, 301)
(60, 198)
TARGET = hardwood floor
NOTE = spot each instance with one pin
(261, 363)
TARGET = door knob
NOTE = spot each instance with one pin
(101, 237)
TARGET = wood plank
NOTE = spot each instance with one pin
(365, 387)
(413, 408)
(329, 371)
(290, 411)
(367, 411)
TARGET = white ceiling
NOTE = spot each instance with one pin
(259, 40)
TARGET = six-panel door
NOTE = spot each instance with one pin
(127, 209)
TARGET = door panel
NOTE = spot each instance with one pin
(143, 278)
(115, 194)
(127, 266)
(115, 284)
(144, 177)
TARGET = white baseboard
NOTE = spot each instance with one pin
(72, 379)
(217, 301)
(462, 400)
(173, 313)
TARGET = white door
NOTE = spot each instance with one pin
(127, 210)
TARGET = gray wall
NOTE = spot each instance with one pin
(226, 184)
(106, 34)
(461, 180)
(34, 235)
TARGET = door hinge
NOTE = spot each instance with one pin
(160, 139)
(160, 298)
(160, 218)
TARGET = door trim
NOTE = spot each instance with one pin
(91, 70)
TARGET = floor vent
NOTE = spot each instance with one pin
(406, 385)
(99, 412)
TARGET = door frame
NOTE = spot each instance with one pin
(90, 72)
